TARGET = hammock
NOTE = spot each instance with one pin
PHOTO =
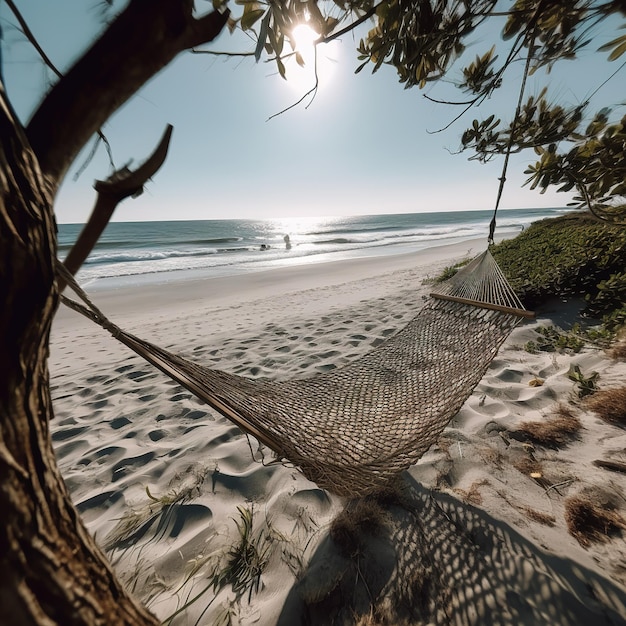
(352, 429)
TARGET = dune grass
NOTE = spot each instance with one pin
(609, 405)
(591, 522)
(555, 431)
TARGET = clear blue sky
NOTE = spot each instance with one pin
(361, 147)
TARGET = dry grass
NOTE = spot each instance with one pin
(538, 516)
(609, 405)
(556, 431)
(528, 466)
(618, 351)
(364, 516)
(473, 495)
(589, 522)
(492, 456)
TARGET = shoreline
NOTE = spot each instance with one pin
(198, 288)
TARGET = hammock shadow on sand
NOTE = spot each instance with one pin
(352, 429)
(435, 560)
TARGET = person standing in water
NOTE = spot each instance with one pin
(287, 242)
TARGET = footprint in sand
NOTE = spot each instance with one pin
(68, 433)
(157, 435)
(119, 422)
(196, 415)
(104, 500)
(326, 368)
(101, 455)
(98, 404)
(180, 396)
(127, 466)
(140, 374)
(97, 379)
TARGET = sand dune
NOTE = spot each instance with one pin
(476, 531)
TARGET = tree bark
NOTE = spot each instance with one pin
(141, 41)
(52, 570)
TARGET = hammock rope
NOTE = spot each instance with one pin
(350, 430)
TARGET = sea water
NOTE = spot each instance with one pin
(135, 251)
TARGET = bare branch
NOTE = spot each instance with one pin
(110, 72)
(111, 192)
(31, 38)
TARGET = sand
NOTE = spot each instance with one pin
(475, 533)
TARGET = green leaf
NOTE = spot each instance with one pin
(618, 47)
(262, 36)
(619, 50)
(281, 67)
(250, 16)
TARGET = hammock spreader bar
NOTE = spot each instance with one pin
(486, 305)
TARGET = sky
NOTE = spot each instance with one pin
(363, 145)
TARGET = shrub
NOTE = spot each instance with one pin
(552, 339)
(571, 255)
(586, 384)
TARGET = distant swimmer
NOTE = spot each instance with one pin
(264, 246)
(287, 242)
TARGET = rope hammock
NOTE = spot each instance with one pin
(352, 429)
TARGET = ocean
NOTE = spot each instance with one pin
(141, 251)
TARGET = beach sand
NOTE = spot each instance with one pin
(475, 533)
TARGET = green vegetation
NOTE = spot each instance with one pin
(552, 339)
(450, 270)
(240, 568)
(586, 384)
(573, 255)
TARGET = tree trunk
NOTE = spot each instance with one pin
(52, 572)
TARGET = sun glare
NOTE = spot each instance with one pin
(301, 68)
(304, 37)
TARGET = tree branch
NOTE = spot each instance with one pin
(31, 37)
(111, 192)
(110, 72)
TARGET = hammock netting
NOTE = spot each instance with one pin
(352, 429)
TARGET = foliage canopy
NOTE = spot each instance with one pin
(424, 40)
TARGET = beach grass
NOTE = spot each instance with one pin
(609, 405)
(556, 431)
(589, 521)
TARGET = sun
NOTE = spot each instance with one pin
(309, 62)
(305, 38)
